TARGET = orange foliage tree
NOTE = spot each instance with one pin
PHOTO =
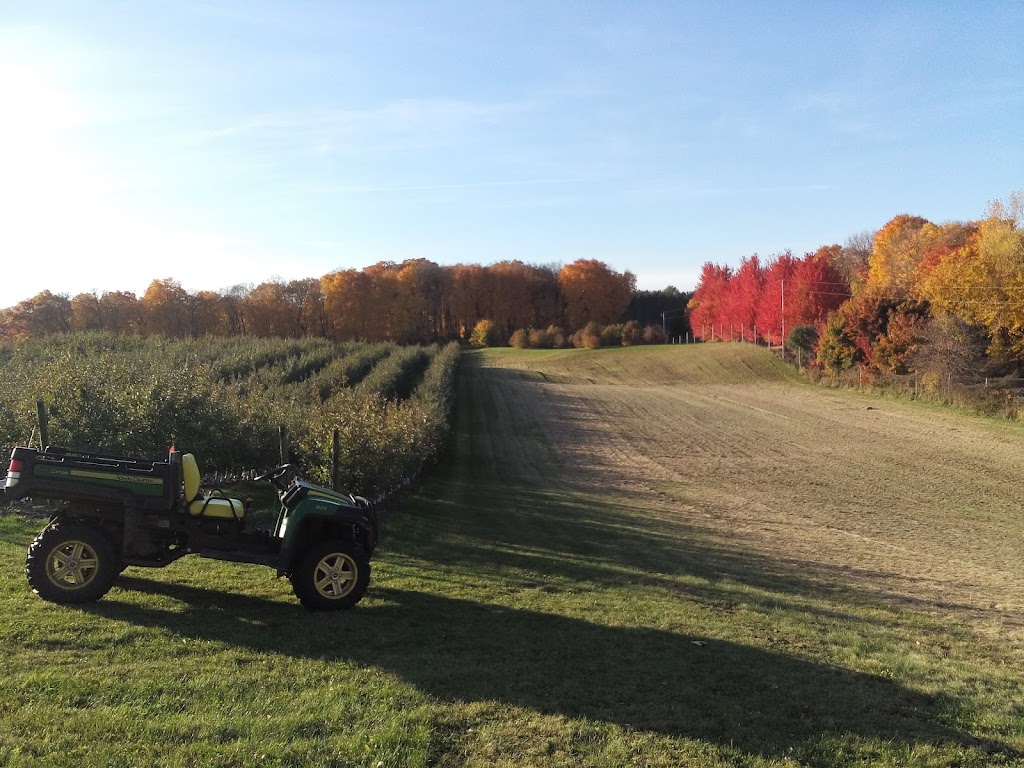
(347, 301)
(43, 314)
(593, 292)
(166, 309)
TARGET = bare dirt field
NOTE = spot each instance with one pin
(916, 505)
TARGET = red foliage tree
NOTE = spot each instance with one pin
(743, 298)
(818, 288)
(708, 304)
(778, 292)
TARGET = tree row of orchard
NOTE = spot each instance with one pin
(224, 399)
(941, 300)
(416, 301)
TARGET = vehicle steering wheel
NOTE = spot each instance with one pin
(274, 475)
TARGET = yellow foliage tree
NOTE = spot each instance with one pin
(982, 282)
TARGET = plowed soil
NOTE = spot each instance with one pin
(918, 506)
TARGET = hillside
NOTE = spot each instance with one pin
(685, 365)
(726, 565)
(625, 558)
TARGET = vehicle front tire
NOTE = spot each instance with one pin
(72, 563)
(332, 575)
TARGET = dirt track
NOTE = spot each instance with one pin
(917, 506)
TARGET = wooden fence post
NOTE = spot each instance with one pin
(44, 424)
(282, 438)
(335, 458)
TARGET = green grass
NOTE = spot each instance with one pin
(519, 615)
(647, 365)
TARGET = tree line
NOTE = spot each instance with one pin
(945, 301)
(415, 301)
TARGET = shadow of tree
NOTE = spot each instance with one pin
(761, 702)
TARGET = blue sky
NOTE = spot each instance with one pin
(221, 143)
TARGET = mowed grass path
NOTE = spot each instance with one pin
(643, 556)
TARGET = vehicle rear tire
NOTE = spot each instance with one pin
(72, 563)
(332, 575)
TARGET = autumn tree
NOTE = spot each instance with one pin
(288, 310)
(113, 312)
(166, 309)
(743, 298)
(233, 306)
(121, 312)
(304, 305)
(950, 350)
(852, 260)
(347, 297)
(777, 294)
(593, 292)
(86, 313)
(881, 332)
(818, 288)
(707, 306)
(44, 314)
(895, 255)
(424, 288)
(939, 244)
(469, 286)
(483, 334)
(208, 316)
(838, 349)
(394, 308)
(521, 296)
(982, 282)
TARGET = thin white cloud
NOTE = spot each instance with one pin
(411, 117)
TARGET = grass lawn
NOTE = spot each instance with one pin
(648, 556)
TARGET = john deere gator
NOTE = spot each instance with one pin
(111, 512)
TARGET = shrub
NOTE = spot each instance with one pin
(484, 334)
(611, 335)
(557, 336)
(520, 339)
(837, 350)
(803, 338)
(588, 337)
(540, 338)
(632, 334)
(654, 334)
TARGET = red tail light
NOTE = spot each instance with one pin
(14, 473)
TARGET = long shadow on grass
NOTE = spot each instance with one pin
(490, 522)
(572, 535)
(761, 702)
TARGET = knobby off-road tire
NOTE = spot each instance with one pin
(72, 563)
(332, 575)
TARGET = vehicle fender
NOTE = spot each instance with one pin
(319, 519)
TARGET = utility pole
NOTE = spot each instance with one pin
(783, 291)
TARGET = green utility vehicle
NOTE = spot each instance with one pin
(114, 511)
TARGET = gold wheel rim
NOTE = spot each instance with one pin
(72, 565)
(335, 575)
